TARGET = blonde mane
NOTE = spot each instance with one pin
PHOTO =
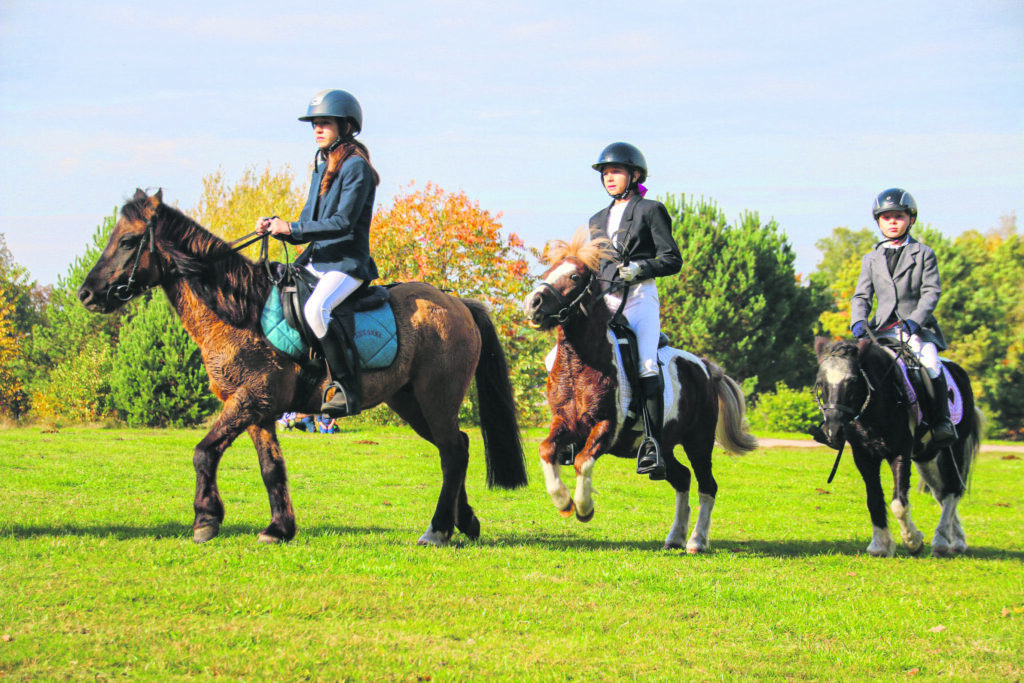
(589, 252)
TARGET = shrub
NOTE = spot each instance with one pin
(785, 410)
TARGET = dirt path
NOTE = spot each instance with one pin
(807, 443)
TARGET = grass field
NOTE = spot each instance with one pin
(99, 578)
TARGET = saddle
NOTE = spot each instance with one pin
(366, 317)
(625, 340)
(917, 392)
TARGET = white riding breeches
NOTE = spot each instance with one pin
(643, 313)
(333, 288)
(926, 353)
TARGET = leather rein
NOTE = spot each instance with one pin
(129, 290)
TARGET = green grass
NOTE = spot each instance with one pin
(99, 578)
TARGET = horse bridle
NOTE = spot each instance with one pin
(843, 408)
(128, 291)
(568, 308)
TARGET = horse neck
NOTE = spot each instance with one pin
(586, 336)
(207, 280)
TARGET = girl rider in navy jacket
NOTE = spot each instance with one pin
(336, 223)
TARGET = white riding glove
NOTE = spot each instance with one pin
(629, 272)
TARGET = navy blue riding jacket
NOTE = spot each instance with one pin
(337, 225)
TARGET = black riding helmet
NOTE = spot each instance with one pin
(622, 154)
(337, 104)
(895, 199)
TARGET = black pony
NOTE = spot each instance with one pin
(862, 398)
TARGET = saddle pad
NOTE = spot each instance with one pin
(625, 394)
(956, 400)
(376, 336)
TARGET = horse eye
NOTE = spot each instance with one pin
(575, 277)
(129, 242)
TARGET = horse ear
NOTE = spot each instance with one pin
(820, 345)
(159, 195)
(139, 194)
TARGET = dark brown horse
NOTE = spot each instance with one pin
(860, 392)
(443, 341)
(586, 397)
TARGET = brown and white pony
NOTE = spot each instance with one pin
(585, 395)
(443, 343)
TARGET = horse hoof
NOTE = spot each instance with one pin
(568, 512)
(694, 549)
(203, 534)
(915, 550)
(434, 538)
(587, 517)
(264, 537)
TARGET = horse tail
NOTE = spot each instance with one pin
(972, 444)
(731, 431)
(503, 445)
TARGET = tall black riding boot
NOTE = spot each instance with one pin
(648, 458)
(943, 431)
(342, 397)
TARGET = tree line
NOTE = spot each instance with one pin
(738, 301)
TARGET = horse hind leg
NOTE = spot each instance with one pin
(678, 475)
(949, 539)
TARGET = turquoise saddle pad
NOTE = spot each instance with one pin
(376, 334)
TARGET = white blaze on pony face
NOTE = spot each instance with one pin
(565, 270)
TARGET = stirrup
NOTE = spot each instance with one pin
(943, 433)
(649, 460)
(340, 404)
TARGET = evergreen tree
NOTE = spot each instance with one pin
(738, 299)
(158, 378)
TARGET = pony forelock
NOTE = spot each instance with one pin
(588, 251)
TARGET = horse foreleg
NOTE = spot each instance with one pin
(549, 466)
(275, 479)
(900, 505)
(583, 496)
(882, 543)
(556, 488)
(208, 506)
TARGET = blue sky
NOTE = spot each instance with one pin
(801, 111)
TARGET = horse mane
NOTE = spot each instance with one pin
(228, 283)
(588, 251)
(864, 352)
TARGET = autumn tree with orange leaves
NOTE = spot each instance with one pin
(447, 240)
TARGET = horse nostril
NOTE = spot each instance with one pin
(84, 295)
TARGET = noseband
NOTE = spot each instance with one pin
(855, 414)
(568, 308)
(128, 290)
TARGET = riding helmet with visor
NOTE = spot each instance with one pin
(622, 154)
(895, 199)
(337, 104)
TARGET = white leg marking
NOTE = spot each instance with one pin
(556, 489)
(677, 534)
(882, 543)
(959, 545)
(913, 538)
(699, 538)
(584, 495)
(434, 538)
(943, 541)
